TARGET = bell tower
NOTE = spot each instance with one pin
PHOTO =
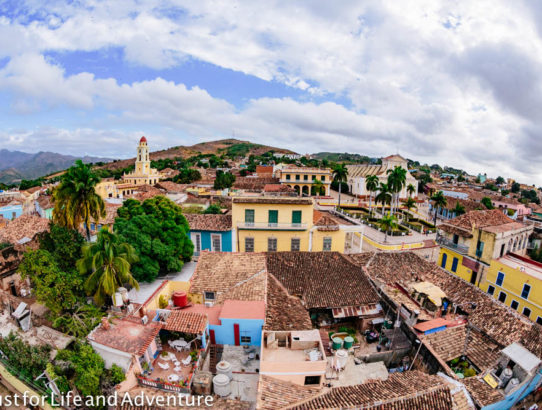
(143, 163)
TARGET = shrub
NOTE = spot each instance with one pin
(117, 374)
(163, 302)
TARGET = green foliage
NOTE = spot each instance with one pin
(58, 290)
(240, 150)
(162, 302)
(157, 229)
(469, 372)
(243, 173)
(491, 187)
(116, 374)
(113, 173)
(213, 209)
(486, 201)
(335, 186)
(107, 262)
(80, 322)
(505, 192)
(4, 245)
(439, 201)
(343, 157)
(499, 180)
(61, 381)
(459, 209)
(29, 361)
(515, 187)
(87, 367)
(223, 180)
(187, 176)
(531, 195)
(27, 184)
(64, 244)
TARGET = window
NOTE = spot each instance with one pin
(323, 178)
(443, 261)
(209, 295)
(295, 244)
(271, 244)
(296, 217)
(297, 177)
(314, 177)
(249, 244)
(527, 312)
(479, 249)
(455, 239)
(245, 339)
(500, 279)
(502, 297)
(327, 244)
(539, 320)
(311, 380)
(491, 289)
(216, 243)
(273, 217)
(249, 216)
(454, 264)
(305, 177)
(287, 177)
(514, 305)
(525, 292)
(196, 240)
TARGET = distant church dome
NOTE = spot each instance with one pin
(143, 139)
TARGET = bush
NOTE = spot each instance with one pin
(469, 372)
(163, 302)
(116, 374)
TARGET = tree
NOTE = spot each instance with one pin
(317, 187)
(340, 174)
(396, 182)
(80, 322)
(371, 184)
(27, 184)
(459, 209)
(499, 180)
(107, 262)
(424, 179)
(213, 209)
(58, 290)
(76, 201)
(158, 231)
(187, 176)
(486, 201)
(439, 202)
(409, 204)
(460, 178)
(223, 180)
(388, 223)
(63, 244)
(410, 189)
(383, 196)
(515, 187)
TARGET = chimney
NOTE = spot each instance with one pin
(105, 323)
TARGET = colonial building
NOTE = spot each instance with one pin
(143, 174)
(303, 180)
(357, 174)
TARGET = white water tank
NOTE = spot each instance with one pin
(124, 293)
(506, 375)
(224, 367)
(512, 384)
(341, 357)
(221, 385)
(117, 299)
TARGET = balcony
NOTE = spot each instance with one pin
(443, 241)
(266, 226)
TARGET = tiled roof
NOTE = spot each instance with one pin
(273, 200)
(326, 221)
(25, 226)
(45, 201)
(322, 279)
(478, 219)
(481, 392)
(187, 322)
(408, 390)
(209, 222)
(170, 186)
(110, 213)
(236, 276)
(253, 184)
(451, 203)
(277, 188)
(278, 394)
(126, 335)
(283, 311)
(498, 321)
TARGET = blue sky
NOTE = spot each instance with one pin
(441, 82)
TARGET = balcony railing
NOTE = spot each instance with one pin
(443, 241)
(271, 225)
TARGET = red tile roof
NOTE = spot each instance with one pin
(478, 219)
(186, 322)
(209, 222)
(25, 226)
(243, 309)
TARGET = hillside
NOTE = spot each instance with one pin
(227, 146)
(343, 156)
(17, 165)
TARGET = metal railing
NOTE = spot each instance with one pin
(271, 225)
(162, 385)
(443, 241)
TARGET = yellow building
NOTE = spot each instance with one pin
(516, 281)
(302, 180)
(269, 224)
(143, 174)
(470, 242)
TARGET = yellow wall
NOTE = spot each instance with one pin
(283, 239)
(512, 286)
(462, 271)
(489, 243)
(337, 240)
(169, 288)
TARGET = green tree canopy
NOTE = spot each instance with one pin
(213, 209)
(499, 180)
(486, 201)
(187, 176)
(515, 187)
(223, 180)
(63, 244)
(158, 231)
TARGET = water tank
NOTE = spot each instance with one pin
(117, 299)
(506, 375)
(124, 293)
(224, 367)
(221, 385)
(512, 384)
(202, 383)
(348, 342)
(337, 343)
(341, 357)
(180, 299)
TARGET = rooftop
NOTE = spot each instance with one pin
(489, 220)
(209, 222)
(25, 226)
(326, 221)
(528, 266)
(273, 200)
(277, 394)
(186, 322)
(243, 309)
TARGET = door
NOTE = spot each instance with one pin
(196, 240)
(212, 336)
(236, 334)
(12, 288)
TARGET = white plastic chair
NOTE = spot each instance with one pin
(186, 361)
(163, 366)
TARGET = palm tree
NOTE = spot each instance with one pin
(459, 209)
(76, 201)
(108, 263)
(439, 202)
(410, 204)
(340, 173)
(410, 189)
(396, 182)
(371, 184)
(387, 223)
(383, 196)
(317, 186)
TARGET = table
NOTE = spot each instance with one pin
(179, 343)
(173, 378)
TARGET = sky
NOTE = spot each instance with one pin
(440, 81)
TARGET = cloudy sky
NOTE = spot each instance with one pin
(453, 82)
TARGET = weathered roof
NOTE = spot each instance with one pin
(326, 221)
(481, 220)
(25, 226)
(322, 279)
(278, 394)
(481, 392)
(273, 200)
(170, 186)
(209, 222)
(186, 322)
(45, 201)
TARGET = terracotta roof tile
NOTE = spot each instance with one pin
(478, 219)
(209, 222)
(481, 392)
(278, 394)
(25, 226)
(187, 322)
(273, 200)
(170, 186)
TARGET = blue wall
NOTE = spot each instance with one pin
(224, 333)
(7, 211)
(515, 396)
(206, 240)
